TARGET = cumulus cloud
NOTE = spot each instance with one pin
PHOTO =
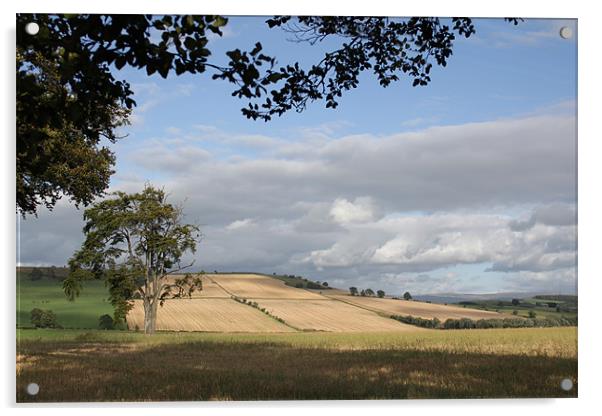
(421, 243)
(238, 224)
(358, 208)
(554, 214)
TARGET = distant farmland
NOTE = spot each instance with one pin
(207, 315)
(213, 309)
(331, 315)
(226, 343)
(255, 286)
(418, 309)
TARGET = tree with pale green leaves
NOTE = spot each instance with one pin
(135, 242)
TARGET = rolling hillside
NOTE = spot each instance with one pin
(259, 303)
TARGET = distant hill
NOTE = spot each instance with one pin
(466, 297)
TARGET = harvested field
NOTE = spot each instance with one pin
(76, 366)
(210, 288)
(210, 315)
(254, 286)
(418, 309)
(330, 315)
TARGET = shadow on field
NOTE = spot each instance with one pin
(229, 371)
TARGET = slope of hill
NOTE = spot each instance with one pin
(273, 306)
(207, 315)
(417, 309)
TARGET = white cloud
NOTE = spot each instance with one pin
(358, 211)
(238, 224)
(360, 207)
(422, 243)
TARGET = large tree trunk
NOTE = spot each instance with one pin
(150, 315)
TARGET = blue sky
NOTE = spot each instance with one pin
(465, 185)
(502, 71)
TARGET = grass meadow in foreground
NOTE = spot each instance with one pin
(80, 366)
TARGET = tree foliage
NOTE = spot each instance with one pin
(387, 47)
(407, 296)
(69, 101)
(135, 242)
(353, 291)
(106, 322)
(380, 293)
(35, 274)
(42, 318)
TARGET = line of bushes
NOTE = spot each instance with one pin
(256, 306)
(414, 320)
(466, 323)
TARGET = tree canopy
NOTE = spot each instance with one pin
(135, 242)
(69, 102)
(70, 105)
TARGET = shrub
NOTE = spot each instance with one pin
(422, 322)
(313, 285)
(35, 274)
(532, 314)
(44, 318)
(106, 322)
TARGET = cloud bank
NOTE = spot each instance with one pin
(409, 209)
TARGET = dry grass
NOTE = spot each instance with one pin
(121, 366)
(418, 309)
(330, 315)
(254, 286)
(210, 314)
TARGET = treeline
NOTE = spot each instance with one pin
(466, 323)
(300, 282)
(38, 273)
(354, 291)
(560, 298)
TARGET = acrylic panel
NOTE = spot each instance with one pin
(295, 208)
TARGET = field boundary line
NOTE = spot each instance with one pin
(379, 312)
(264, 311)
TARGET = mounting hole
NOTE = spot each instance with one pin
(566, 32)
(33, 389)
(566, 384)
(32, 28)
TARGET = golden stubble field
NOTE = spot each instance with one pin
(214, 310)
(418, 309)
(331, 315)
(254, 286)
(207, 315)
